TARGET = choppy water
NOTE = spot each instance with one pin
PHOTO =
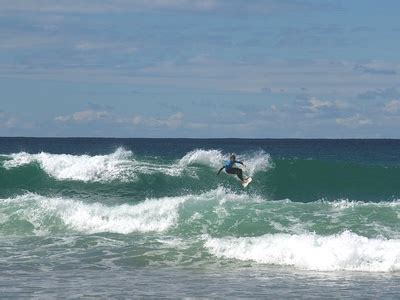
(138, 217)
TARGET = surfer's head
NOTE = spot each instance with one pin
(232, 157)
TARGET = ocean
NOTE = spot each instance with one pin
(123, 218)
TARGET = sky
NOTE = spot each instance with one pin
(200, 68)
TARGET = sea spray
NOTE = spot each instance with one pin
(211, 158)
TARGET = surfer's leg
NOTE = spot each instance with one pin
(239, 173)
(236, 171)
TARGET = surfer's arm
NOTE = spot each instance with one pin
(239, 162)
(220, 170)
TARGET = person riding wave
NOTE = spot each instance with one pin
(230, 169)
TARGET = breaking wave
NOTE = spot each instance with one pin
(346, 251)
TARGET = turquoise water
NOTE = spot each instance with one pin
(138, 217)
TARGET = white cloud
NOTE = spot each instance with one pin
(86, 46)
(287, 75)
(120, 6)
(210, 75)
(83, 116)
(316, 104)
(354, 121)
(392, 106)
(100, 6)
(181, 4)
(7, 121)
(172, 121)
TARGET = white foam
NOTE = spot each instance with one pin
(152, 215)
(17, 160)
(119, 165)
(222, 195)
(346, 204)
(212, 158)
(259, 161)
(345, 251)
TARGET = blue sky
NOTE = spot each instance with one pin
(191, 68)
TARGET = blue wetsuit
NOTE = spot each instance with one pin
(232, 170)
(229, 164)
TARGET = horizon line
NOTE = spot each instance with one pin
(195, 138)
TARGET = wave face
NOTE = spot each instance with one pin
(295, 179)
(305, 180)
(141, 205)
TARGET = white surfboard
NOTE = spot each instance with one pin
(247, 181)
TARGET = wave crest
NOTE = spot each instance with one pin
(117, 165)
(151, 215)
(123, 166)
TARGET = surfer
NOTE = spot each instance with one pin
(230, 169)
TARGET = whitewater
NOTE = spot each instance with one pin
(157, 208)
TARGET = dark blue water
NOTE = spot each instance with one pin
(379, 151)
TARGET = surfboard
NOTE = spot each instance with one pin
(247, 181)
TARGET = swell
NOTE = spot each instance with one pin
(121, 173)
(218, 212)
(141, 183)
(310, 180)
(221, 225)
